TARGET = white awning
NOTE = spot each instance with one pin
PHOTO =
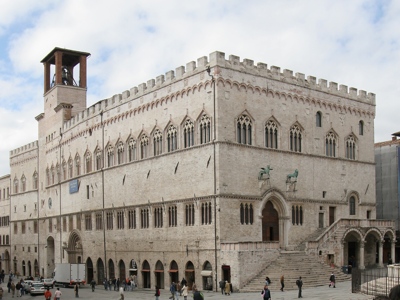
(132, 269)
(206, 273)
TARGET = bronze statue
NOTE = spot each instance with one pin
(293, 175)
(264, 171)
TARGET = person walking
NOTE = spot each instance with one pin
(299, 284)
(227, 288)
(76, 290)
(121, 293)
(184, 292)
(57, 294)
(47, 294)
(197, 295)
(18, 287)
(282, 280)
(172, 289)
(157, 294)
(332, 280)
(266, 293)
(93, 284)
(222, 286)
(12, 289)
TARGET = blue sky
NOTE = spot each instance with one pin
(355, 43)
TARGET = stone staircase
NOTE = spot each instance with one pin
(293, 264)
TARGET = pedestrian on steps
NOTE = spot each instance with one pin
(282, 280)
(332, 280)
(299, 284)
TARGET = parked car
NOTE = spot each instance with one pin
(36, 288)
(48, 282)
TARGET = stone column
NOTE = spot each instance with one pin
(380, 254)
(344, 256)
(361, 263)
(393, 251)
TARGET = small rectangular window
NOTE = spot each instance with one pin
(87, 192)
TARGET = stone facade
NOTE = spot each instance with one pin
(162, 181)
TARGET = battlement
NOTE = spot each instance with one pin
(218, 59)
(24, 149)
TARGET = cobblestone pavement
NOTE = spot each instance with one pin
(342, 292)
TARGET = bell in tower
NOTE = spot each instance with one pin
(64, 62)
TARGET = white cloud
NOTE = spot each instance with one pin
(355, 43)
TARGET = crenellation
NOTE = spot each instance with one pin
(169, 75)
(371, 98)
(262, 66)
(248, 62)
(300, 77)
(125, 94)
(190, 66)
(312, 80)
(217, 58)
(151, 83)
(343, 88)
(160, 80)
(323, 84)
(353, 92)
(116, 98)
(134, 90)
(288, 73)
(234, 60)
(25, 148)
(333, 86)
(141, 88)
(179, 72)
(202, 61)
(275, 71)
(362, 94)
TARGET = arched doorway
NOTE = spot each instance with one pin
(100, 271)
(50, 255)
(159, 274)
(89, 270)
(189, 274)
(270, 223)
(122, 270)
(7, 262)
(206, 275)
(36, 268)
(146, 275)
(30, 268)
(23, 268)
(173, 272)
(111, 269)
(352, 249)
(75, 248)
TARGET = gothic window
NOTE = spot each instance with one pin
(361, 128)
(70, 168)
(188, 134)
(157, 142)
(70, 223)
(78, 221)
(110, 155)
(144, 218)
(98, 159)
(205, 129)
(351, 147)
(189, 214)
(295, 138)
(23, 227)
(64, 224)
(271, 135)
(109, 220)
(120, 220)
(206, 216)
(58, 171)
(158, 217)
(88, 221)
(172, 138)
(297, 215)
(318, 119)
(16, 186)
(99, 221)
(330, 144)
(47, 177)
(88, 162)
(131, 150)
(50, 225)
(244, 130)
(131, 219)
(144, 144)
(23, 183)
(52, 175)
(120, 153)
(78, 165)
(246, 213)
(172, 216)
(352, 204)
(35, 226)
(35, 180)
(64, 169)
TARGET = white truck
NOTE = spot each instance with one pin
(69, 274)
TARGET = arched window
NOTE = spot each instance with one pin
(144, 143)
(297, 215)
(157, 142)
(352, 205)
(88, 162)
(206, 216)
(350, 147)
(330, 144)
(131, 150)
(120, 153)
(98, 159)
(52, 175)
(188, 134)
(271, 135)
(172, 138)
(16, 185)
(361, 128)
(70, 168)
(23, 183)
(244, 130)
(172, 216)
(110, 155)
(205, 129)
(35, 181)
(78, 165)
(246, 213)
(318, 119)
(158, 217)
(58, 171)
(189, 214)
(295, 138)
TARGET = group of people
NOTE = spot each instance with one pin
(226, 287)
(115, 284)
(178, 289)
(57, 294)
